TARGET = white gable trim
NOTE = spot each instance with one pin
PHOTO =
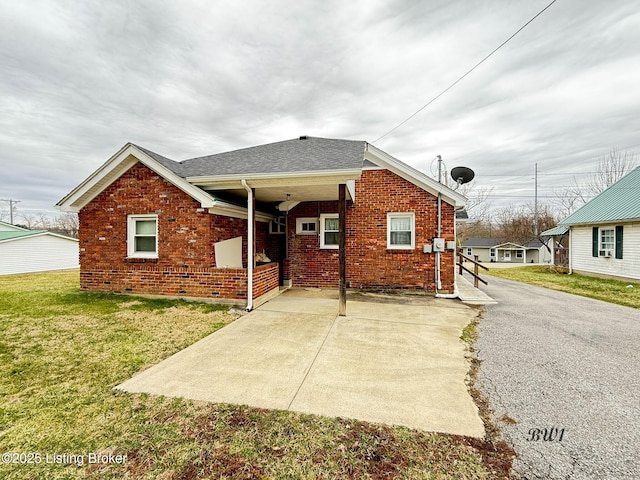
(414, 176)
(514, 246)
(39, 234)
(116, 166)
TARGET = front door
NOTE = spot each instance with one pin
(507, 256)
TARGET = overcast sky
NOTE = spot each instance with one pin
(187, 78)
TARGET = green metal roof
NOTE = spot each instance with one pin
(619, 202)
(561, 230)
(11, 235)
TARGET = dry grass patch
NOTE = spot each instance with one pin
(612, 291)
(63, 351)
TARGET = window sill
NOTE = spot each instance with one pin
(141, 259)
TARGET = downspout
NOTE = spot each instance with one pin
(456, 293)
(438, 280)
(249, 244)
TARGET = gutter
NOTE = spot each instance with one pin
(249, 244)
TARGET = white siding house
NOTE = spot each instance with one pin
(27, 251)
(501, 251)
(582, 259)
(604, 234)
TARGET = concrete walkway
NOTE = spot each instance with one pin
(392, 359)
(471, 295)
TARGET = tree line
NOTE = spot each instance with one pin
(63, 224)
(519, 223)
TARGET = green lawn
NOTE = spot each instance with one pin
(62, 351)
(612, 291)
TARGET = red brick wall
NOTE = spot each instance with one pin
(186, 238)
(187, 233)
(369, 262)
(229, 283)
(265, 278)
(310, 266)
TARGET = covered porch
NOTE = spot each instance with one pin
(510, 253)
(268, 199)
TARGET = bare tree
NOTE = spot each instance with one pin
(610, 169)
(517, 223)
(479, 210)
(66, 224)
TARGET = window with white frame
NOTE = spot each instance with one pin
(469, 251)
(607, 242)
(492, 252)
(401, 231)
(278, 226)
(329, 230)
(519, 254)
(142, 236)
(307, 226)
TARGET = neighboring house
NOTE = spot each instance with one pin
(27, 251)
(604, 234)
(500, 250)
(151, 225)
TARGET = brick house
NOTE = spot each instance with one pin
(235, 226)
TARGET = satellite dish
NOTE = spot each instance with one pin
(462, 175)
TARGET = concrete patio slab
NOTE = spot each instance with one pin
(392, 359)
(259, 360)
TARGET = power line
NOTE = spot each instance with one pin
(464, 75)
(11, 203)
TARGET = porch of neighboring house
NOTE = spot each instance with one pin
(513, 253)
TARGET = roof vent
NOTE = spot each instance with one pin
(303, 137)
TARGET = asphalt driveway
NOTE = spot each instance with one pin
(392, 359)
(551, 360)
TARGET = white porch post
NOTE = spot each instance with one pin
(524, 255)
(342, 253)
(250, 243)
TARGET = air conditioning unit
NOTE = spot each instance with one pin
(605, 253)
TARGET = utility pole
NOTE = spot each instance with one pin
(11, 203)
(535, 207)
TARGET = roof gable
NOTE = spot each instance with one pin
(117, 165)
(6, 236)
(286, 163)
(619, 202)
(414, 176)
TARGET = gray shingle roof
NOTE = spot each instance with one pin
(619, 202)
(482, 242)
(492, 242)
(304, 154)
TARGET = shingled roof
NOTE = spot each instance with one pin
(303, 154)
(297, 163)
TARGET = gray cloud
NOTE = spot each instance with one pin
(190, 78)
